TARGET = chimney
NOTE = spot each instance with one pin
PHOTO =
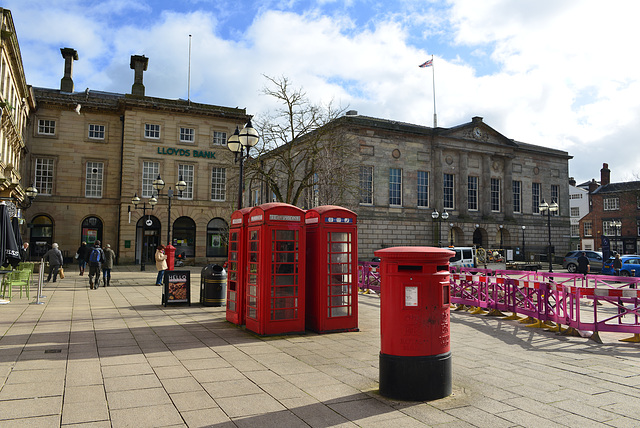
(593, 185)
(572, 181)
(138, 64)
(605, 174)
(69, 55)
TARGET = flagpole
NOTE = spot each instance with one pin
(435, 115)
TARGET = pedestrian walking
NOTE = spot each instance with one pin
(583, 264)
(55, 259)
(96, 257)
(161, 263)
(617, 264)
(109, 258)
(82, 255)
(24, 252)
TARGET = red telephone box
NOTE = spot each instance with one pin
(236, 268)
(276, 269)
(332, 269)
(415, 356)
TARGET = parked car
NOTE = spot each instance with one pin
(570, 261)
(630, 266)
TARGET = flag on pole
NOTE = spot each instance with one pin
(427, 64)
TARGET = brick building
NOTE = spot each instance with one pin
(614, 214)
(92, 151)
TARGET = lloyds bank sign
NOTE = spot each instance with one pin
(172, 151)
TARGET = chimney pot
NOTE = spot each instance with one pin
(69, 55)
(139, 65)
(605, 174)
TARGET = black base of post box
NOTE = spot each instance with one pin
(415, 378)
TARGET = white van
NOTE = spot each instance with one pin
(465, 257)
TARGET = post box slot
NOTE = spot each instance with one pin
(409, 268)
(443, 267)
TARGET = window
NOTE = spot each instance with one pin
(495, 194)
(187, 135)
(555, 197)
(44, 176)
(472, 193)
(517, 196)
(150, 171)
(609, 227)
(575, 196)
(588, 228)
(46, 127)
(611, 204)
(96, 132)
(186, 172)
(217, 232)
(423, 189)
(93, 185)
(575, 230)
(575, 212)
(366, 185)
(535, 198)
(219, 138)
(218, 184)
(447, 187)
(395, 186)
(152, 131)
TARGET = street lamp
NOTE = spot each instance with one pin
(135, 201)
(158, 185)
(451, 232)
(553, 207)
(617, 224)
(237, 142)
(501, 226)
(435, 215)
(524, 258)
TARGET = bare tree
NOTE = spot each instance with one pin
(303, 157)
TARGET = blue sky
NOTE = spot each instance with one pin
(559, 74)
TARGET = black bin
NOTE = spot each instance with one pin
(213, 286)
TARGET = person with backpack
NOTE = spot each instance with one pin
(96, 257)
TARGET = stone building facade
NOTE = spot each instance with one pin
(16, 103)
(489, 186)
(91, 152)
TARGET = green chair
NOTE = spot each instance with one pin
(15, 278)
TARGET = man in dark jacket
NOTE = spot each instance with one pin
(55, 259)
(96, 257)
(583, 264)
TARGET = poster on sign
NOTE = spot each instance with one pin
(177, 287)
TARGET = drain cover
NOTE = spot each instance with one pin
(52, 351)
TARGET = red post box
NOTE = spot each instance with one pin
(332, 269)
(415, 356)
(170, 250)
(276, 269)
(236, 267)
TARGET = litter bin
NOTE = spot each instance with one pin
(213, 286)
(415, 355)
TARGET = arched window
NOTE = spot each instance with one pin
(91, 230)
(217, 237)
(184, 236)
(41, 235)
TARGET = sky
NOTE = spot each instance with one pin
(559, 74)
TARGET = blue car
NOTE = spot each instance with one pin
(630, 266)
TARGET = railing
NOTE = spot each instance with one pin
(586, 305)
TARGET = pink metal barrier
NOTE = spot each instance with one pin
(369, 276)
(595, 303)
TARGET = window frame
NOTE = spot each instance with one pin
(95, 184)
(150, 171)
(219, 183)
(103, 131)
(44, 184)
(186, 135)
(496, 195)
(188, 177)
(148, 131)
(611, 203)
(422, 189)
(535, 197)
(50, 124)
(395, 187)
(448, 191)
(221, 139)
(472, 192)
(517, 196)
(366, 184)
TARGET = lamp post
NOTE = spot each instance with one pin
(135, 201)
(435, 215)
(617, 224)
(548, 208)
(237, 142)
(158, 185)
(524, 257)
(451, 234)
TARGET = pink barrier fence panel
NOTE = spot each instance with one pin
(369, 276)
